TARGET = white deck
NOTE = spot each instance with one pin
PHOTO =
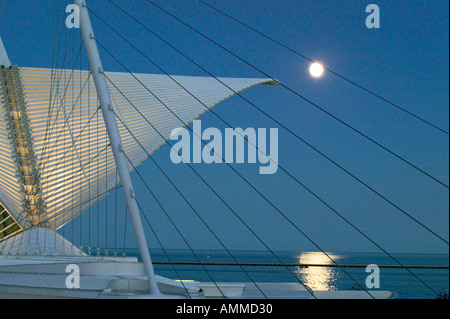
(116, 277)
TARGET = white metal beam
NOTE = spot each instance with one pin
(116, 143)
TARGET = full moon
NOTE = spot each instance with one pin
(316, 70)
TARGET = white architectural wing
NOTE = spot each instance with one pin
(73, 166)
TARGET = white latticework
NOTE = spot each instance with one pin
(74, 163)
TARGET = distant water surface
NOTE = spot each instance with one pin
(405, 284)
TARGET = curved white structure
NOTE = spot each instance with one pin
(67, 140)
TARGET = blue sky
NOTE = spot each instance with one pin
(405, 61)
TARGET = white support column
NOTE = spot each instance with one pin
(115, 139)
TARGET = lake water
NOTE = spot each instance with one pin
(405, 284)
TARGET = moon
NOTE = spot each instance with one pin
(316, 70)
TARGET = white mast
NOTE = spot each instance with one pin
(116, 143)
